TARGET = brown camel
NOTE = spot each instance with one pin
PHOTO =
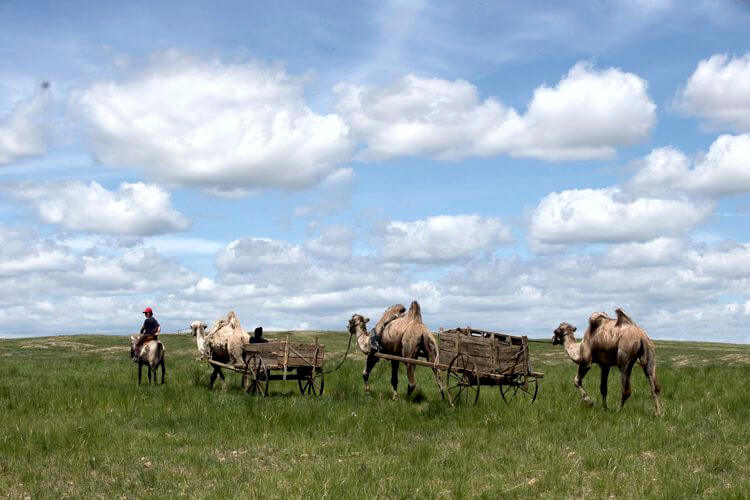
(610, 342)
(399, 334)
(151, 355)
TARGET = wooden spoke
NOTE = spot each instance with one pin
(462, 380)
(310, 381)
(521, 388)
(257, 376)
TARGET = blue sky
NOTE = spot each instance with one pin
(510, 167)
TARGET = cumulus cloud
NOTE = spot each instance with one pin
(724, 170)
(23, 132)
(332, 242)
(611, 215)
(586, 115)
(657, 252)
(718, 91)
(442, 238)
(215, 125)
(135, 209)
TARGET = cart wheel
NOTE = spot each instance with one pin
(310, 382)
(521, 388)
(255, 376)
(462, 380)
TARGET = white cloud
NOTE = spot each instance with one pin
(610, 215)
(23, 132)
(22, 253)
(719, 92)
(333, 242)
(657, 252)
(586, 116)
(723, 171)
(135, 209)
(213, 125)
(254, 255)
(442, 238)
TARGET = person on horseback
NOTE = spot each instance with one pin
(149, 331)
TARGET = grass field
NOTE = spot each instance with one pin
(74, 423)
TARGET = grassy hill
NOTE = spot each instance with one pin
(74, 423)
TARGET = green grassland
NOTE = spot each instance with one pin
(74, 423)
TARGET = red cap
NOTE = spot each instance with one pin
(148, 310)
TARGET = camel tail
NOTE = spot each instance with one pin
(415, 312)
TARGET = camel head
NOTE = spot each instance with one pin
(358, 327)
(198, 325)
(358, 324)
(561, 332)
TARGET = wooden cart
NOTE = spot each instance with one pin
(472, 358)
(477, 357)
(298, 361)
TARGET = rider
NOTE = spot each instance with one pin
(149, 331)
(257, 338)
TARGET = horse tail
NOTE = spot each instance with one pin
(415, 312)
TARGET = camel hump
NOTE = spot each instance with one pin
(415, 311)
(622, 318)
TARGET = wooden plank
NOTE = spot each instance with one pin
(409, 361)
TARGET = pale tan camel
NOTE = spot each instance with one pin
(224, 341)
(399, 334)
(152, 355)
(198, 328)
(610, 342)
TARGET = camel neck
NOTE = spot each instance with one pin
(572, 348)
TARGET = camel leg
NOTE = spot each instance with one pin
(394, 379)
(603, 384)
(625, 371)
(431, 349)
(412, 380)
(217, 372)
(650, 370)
(578, 382)
(369, 364)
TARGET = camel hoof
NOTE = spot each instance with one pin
(394, 397)
(588, 402)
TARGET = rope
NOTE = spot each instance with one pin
(351, 334)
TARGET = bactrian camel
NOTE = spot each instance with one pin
(401, 335)
(223, 343)
(610, 342)
(199, 332)
(152, 355)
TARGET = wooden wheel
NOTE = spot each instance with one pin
(310, 382)
(255, 376)
(462, 380)
(520, 388)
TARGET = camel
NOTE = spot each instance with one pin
(400, 334)
(152, 355)
(198, 329)
(610, 342)
(223, 343)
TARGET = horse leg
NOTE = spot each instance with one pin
(371, 360)
(140, 366)
(394, 379)
(603, 384)
(625, 371)
(163, 368)
(583, 369)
